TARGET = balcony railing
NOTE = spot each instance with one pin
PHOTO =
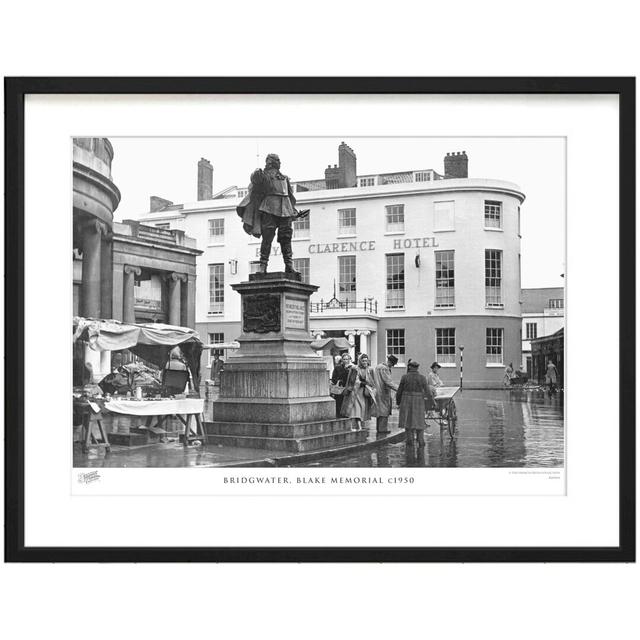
(367, 305)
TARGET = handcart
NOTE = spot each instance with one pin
(443, 411)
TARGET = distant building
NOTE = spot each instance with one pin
(544, 350)
(542, 315)
(413, 263)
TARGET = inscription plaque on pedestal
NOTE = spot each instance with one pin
(295, 313)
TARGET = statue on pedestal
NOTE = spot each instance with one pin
(269, 207)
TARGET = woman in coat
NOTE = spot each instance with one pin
(339, 377)
(359, 393)
(410, 397)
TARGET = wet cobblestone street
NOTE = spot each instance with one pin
(495, 428)
(501, 428)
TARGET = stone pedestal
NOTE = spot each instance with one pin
(274, 391)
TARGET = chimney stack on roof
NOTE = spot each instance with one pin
(343, 174)
(456, 165)
(205, 180)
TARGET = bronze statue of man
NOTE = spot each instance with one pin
(269, 207)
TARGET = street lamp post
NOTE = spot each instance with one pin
(461, 362)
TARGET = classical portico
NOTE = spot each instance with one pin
(153, 275)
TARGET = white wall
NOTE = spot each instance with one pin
(469, 240)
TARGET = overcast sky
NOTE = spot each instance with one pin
(167, 167)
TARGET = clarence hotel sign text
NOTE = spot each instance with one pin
(366, 245)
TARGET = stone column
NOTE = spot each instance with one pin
(188, 302)
(364, 342)
(91, 269)
(128, 310)
(351, 337)
(106, 275)
(174, 280)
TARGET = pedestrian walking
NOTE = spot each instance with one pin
(384, 384)
(339, 381)
(217, 367)
(359, 393)
(410, 397)
(551, 377)
(508, 375)
(433, 382)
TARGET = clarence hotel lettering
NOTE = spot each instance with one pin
(338, 247)
(366, 245)
(416, 243)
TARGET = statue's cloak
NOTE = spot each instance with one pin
(249, 211)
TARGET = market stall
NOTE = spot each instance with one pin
(133, 390)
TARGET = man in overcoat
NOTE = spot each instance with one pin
(384, 385)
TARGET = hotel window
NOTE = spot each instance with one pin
(445, 279)
(395, 281)
(395, 217)
(216, 289)
(346, 222)
(556, 303)
(395, 343)
(302, 266)
(163, 225)
(423, 176)
(443, 216)
(532, 330)
(242, 193)
(254, 266)
(494, 346)
(519, 232)
(215, 338)
(446, 346)
(367, 182)
(347, 278)
(301, 227)
(492, 214)
(216, 230)
(493, 277)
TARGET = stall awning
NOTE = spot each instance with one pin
(111, 335)
(153, 342)
(326, 344)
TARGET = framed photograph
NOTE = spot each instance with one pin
(320, 319)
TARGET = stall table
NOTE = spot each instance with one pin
(90, 411)
(186, 410)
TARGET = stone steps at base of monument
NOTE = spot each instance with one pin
(270, 430)
(291, 445)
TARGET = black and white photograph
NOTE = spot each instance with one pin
(315, 309)
(319, 302)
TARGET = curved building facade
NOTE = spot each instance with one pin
(95, 198)
(423, 266)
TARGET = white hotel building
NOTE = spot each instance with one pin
(412, 263)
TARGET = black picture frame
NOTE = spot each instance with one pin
(15, 91)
